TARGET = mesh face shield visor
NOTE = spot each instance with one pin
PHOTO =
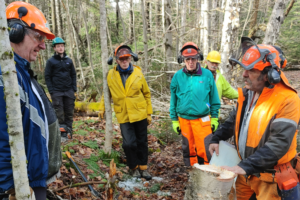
(123, 52)
(248, 54)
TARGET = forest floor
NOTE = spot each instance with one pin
(165, 161)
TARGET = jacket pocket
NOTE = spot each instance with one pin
(117, 108)
(142, 105)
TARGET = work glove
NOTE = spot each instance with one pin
(176, 126)
(101, 114)
(214, 123)
(149, 119)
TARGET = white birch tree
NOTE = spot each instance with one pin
(13, 111)
(145, 36)
(230, 25)
(204, 13)
(275, 21)
(104, 56)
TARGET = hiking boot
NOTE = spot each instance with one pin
(146, 175)
(135, 173)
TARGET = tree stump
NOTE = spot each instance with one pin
(209, 182)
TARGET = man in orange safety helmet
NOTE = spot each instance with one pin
(264, 125)
(194, 105)
(27, 34)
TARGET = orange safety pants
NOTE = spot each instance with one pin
(195, 134)
(264, 188)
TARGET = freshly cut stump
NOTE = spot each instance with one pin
(209, 182)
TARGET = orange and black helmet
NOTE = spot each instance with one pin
(190, 50)
(123, 51)
(30, 16)
(253, 56)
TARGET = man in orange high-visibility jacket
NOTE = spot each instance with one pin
(264, 122)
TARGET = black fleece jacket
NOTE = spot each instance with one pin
(60, 74)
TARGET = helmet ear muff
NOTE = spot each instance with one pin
(16, 32)
(274, 73)
(273, 76)
(179, 59)
(110, 60)
(135, 57)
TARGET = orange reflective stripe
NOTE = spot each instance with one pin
(241, 100)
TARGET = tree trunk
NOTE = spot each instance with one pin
(254, 14)
(275, 21)
(131, 22)
(230, 25)
(183, 21)
(147, 3)
(13, 111)
(70, 33)
(204, 12)
(53, 16)
(90, 49)
(145, 37)
(104, 55)
(168, 37)
(214, 26)
(59, 33)
(117, 17)
(208, 182)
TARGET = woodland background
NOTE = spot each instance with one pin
(169, 24)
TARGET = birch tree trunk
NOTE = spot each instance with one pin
(230, 25)
(117, 17)
(90, 50)
(168, 37)
(104, 56)
(214, 26)
(13, 111)
(204, 12)
(275, 21)
(145, 37)
(59, 33)
(53, 16)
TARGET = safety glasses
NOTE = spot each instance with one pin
(37, 36)
(240, 54)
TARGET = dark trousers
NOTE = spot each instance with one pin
(135, 142)
(64, 109)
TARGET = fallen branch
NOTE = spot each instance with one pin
(79, 185)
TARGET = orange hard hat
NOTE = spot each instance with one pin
(123, 51)
(253, 56)
(29, 15)
(189, 50)
(283, 60)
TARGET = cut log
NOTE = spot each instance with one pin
(209, 182)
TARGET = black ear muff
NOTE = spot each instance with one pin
(16, 32)
(201, 56)
(274, 73)
(273, 76)
(110, 60)
(179, 59)
(135, 57)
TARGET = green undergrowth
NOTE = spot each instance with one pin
(106, 158)
(91, 144)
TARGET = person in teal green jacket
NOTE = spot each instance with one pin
(212, 62)
(194, 106)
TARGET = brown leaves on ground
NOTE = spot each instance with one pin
(164, 161)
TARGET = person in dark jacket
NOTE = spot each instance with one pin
(60, 76)
(37, 116)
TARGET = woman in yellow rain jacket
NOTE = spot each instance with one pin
(132, 105)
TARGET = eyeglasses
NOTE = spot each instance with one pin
(190, 59)
(39, 37)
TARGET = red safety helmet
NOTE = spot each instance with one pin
(190, 50)
(30, 15)
(255, 56)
